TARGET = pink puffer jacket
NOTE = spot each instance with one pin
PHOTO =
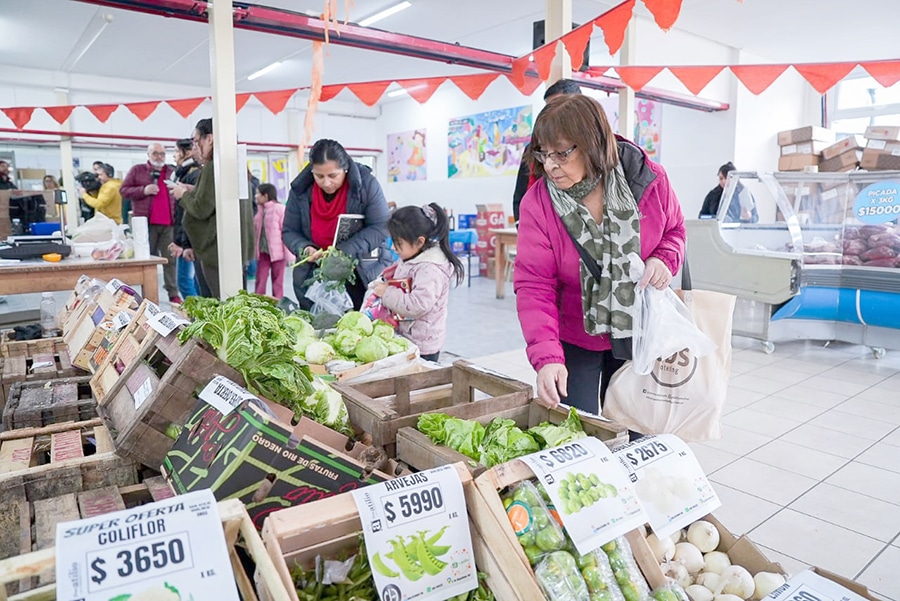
(547, 271)
(271, 215)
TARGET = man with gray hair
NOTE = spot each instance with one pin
(145, 186)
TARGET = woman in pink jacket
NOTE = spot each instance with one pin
(604, 192)
(271, 253)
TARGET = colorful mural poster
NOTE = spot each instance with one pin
(488, 144)
(278, 175)
(647, 123)
(406, 156)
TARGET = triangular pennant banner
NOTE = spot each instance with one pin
(275, 101)
(576, 41)
(60, 113)
(543, 60)
(240, 100)
(887, 73)
(474, 86)
(696, 78)
(517, 75)
(142, 110)
(186, 106)
(757, 78)
(102, 111)
(637, 77)
(19, 115)
(665, 12)
(528, 86)
(422, 89)
(824, 76)
(329, 92)
(369, 93)
(614, 23)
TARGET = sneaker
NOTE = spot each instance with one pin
(175, 300)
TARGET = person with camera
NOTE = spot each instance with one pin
(101, 192)
(145, 186)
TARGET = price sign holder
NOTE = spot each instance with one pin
(669, 482)
(173, 548)
(809, 585)
(417, 536)
(225, 395)
(165, 322)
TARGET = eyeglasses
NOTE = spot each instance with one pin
(157, 154)
(560, 158)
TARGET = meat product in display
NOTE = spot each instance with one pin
(881, 263)
(855, 247)
(851, 260)
(880, 252)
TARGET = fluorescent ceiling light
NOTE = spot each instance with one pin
(264, 70)
(385, 13)
(94, 28)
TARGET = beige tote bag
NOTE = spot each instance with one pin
(683, 395)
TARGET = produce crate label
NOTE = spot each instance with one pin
(590, 491)
(669, 482)
(417, 536)
(152, 308)
(225, 395)
(878, 203)
(172, 549)
(38, 365)
(122, 319)
(165, 323)
(809, 586)
(113, 285)
(142, 393)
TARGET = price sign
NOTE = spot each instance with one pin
(878, 202)
(152, 309)
(113, 285)
(165, 323)
(417, 536)
(809, 586)
(225, 395)
(590, 492)
(172, 549)
(122, 319)
(142, 393)
(669, 482)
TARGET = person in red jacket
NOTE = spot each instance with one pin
(603, 191)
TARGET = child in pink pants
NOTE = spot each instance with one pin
(271, 253)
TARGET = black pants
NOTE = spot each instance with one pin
(433, 357)
(589, 375)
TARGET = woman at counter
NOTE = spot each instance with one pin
(603, 193)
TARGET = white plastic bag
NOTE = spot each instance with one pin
(325, 299)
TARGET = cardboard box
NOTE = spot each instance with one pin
(826, 584)
(804, 148)
(490, 217)
(846, 161)
(796, 162)
(31, 174)
(805, 134)
(87, 335)
(880, 160)
(883, 132)
(853, 142)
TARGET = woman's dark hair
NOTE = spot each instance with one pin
(408, 223)
(329, 150)
(204, 126)
(581, 121)
(727, 168)
(108, 169)
(184, 145)
(270, 191)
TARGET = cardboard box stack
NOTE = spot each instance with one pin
(882, 152)
(803, 147)
(490, 217)
(95, 324)
(843, 155)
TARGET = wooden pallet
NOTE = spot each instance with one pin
(417, 451)
(37, 404)
(10, 347)
(239, 533)
(382, 407)
(40, 365)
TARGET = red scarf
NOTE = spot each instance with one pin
(324, 214)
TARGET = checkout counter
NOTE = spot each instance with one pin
(814, 256)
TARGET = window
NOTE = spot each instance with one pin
(859, 101)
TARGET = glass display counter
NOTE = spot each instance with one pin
(809, 256)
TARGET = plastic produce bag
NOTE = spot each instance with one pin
(559, 578)
(670, 592)
(536, 529)
(598, 575)
(328, 300)
(98, 228)
(628, 576)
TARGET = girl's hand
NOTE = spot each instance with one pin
(656, 274)
(378, 288)
(551, 383)
(313, 253)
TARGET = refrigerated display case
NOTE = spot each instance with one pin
(813, 256)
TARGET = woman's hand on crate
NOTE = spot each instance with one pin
(551, 383)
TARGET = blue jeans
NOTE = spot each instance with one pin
(187, 283)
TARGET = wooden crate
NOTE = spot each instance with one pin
(382, 407)
(51, 363)
(156, 391)
(418, 451)
(332, 526)
(10, 347)
(37, 404)
(239, 533)
(513, 564)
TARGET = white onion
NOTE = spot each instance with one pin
(663, 548)
(704, 536)
(698, 592)
(716, 561)
(677, 572)
(727, 598)
(679, 536)
(708, 579)
(766, 582)
(690, 556)
(735, 580)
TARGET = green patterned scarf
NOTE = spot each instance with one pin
(606, 304)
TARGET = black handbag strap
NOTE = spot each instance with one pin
(589, 261)
(686, 276)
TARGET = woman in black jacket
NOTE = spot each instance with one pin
(332, 185)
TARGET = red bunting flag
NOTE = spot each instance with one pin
(695, 78)
(474, 86)
(757, 78)
(528, 86)
(517, 75)
(275, 101)
(887, 73)
(543, 60)
(614, 23)
(19, 115)
(329, 92)
(142, 110)
(60, 113)
(102, 111)
(637, 77)
(576, 41)
(422, 89)
(187, 106)
(370, 92)
(240, 100)
(824, 76)
(665, 12)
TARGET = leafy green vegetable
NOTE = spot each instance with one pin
(397, 344)
(319, 353)
(345, 341)
(552, 435)
(324, 321)
(383, 330)
(335, 269)
(504, 441)
(432, 426)
(357, 322)
(326, 406)
(371, 348)
(301, 343)
(463, 435)
(300, 326)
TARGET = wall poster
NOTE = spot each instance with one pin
(647, 123)
(406, 156)
(488, 144)
(279, 176)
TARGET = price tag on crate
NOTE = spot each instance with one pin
(165, 323)
(589, 490)
(810, 586)
(152, 309)
(113, 285)
(122, 319)
(225, 395)
(417, 536)
(171, 549)
(669, 482)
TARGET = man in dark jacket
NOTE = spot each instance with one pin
(5, 182)
(145, 185)
(187, 171)
(741, 209)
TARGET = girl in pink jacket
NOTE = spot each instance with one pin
(271, 253)
(604, 192)
(422, 239)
